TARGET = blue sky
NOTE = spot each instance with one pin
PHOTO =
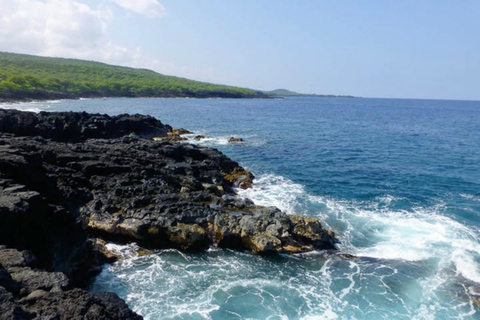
(406, 49)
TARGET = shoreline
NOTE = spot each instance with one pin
(104, 179)
(37, 100)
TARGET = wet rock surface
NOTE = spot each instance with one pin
(61, 193)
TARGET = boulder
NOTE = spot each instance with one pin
(28, 293)
(181, 131)
(200, 137)
(271, 230)
(239, 177)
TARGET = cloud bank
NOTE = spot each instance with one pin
(67, 28)
(73, 29)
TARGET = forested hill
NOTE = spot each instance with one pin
(32, 77)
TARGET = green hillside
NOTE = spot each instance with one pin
(32, 77)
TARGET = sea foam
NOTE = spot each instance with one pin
(420, 234)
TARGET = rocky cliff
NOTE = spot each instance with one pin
(67, 179)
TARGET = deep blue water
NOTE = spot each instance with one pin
(397, 180)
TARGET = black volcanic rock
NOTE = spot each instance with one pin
(159, 194)
(79, 126)
(67, 179)
(28, 293)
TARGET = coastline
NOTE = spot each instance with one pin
(104, 178)
(34, 100)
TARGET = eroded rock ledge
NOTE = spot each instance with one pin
(67, 178)
(30, 293)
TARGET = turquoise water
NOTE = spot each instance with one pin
(397, 180)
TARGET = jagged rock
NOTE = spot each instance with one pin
(270, 230)
(199, 138)
(170, 137)
(236, 204)
(9, 309)
(78, 304)
(12, 258)
(27, 293)
(188, 236)
(159, 194)
(240, 178)
(79, 126)
(63, 183)
(144, 252)
(233, 139)
(311, 230)
(103, 255)
(181, 131)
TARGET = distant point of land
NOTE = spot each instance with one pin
(288, 93)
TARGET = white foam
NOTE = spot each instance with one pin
(23, 107)
(470, 197)
(465, 265)
(273, 190)
(251, 141)
(416, 235)
(172, 285)
(125, 251)
(47, 101)
(213, 141)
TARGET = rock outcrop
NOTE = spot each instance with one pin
(30, 293)
(69, 180)
(233, 139)
(79, 126)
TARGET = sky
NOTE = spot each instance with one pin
(381, 48)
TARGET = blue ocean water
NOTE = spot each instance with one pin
(397, 180)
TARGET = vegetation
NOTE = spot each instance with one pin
(282, 93)
(288, 93)
(32, 77)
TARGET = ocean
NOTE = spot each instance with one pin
(398, 180)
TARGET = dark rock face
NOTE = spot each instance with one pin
(29, 221)
(159, 194)
(76, 126)
(28, 293)
(64, 187)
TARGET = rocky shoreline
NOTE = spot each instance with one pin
(69, 181)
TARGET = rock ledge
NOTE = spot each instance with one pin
(69, 180)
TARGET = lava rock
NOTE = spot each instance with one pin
(233, 139)
(79, 126)
(69, 179)
(28, 293)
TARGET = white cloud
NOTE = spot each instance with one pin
(148, 8)
(66, 28)
(72, 29)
